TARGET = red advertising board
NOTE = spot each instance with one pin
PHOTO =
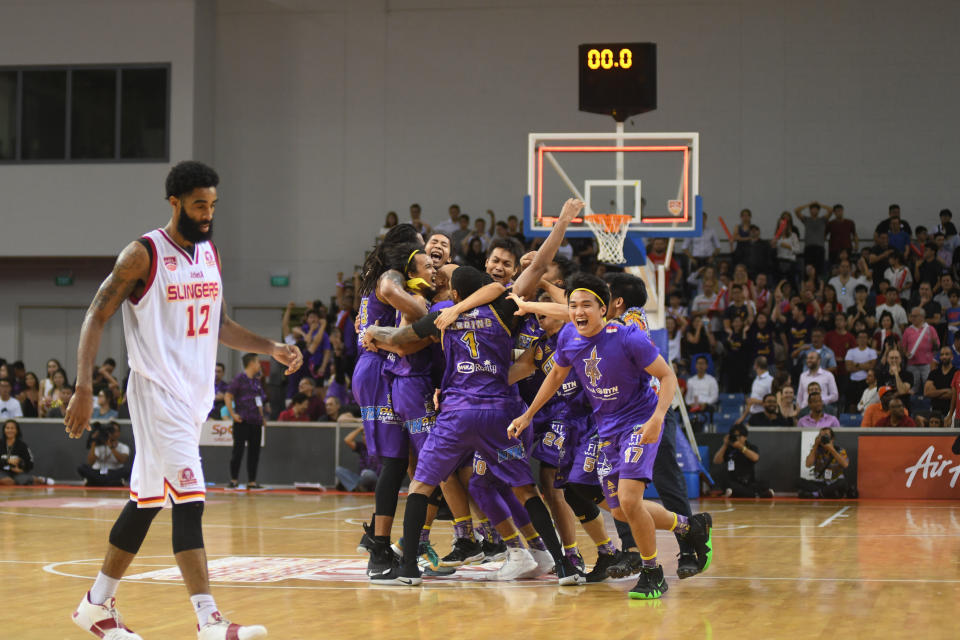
(907, 467)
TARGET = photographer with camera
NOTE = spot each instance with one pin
(107, 457)
(738, 458)
(828, 462)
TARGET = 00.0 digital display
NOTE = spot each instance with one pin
(604, 59)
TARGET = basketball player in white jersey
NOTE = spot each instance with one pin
(168, 283)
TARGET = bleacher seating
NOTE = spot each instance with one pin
(850, 419)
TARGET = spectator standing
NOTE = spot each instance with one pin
(787, 249)
(753, 253)
(829, 463)
(921, 343)
(736, 357)
(761, 338)
(814, 234)
(828, 359)
(738, 458)
(898, 274)
(845, 284)
(896, 417)
(843, 234)
(107, 458)
(946, 226)
(702, 389)
(930, 267)
(815, 373)
(893, 211)
(892, 306)
(389, 223)
(898, 236)
(858, 362)
(703, 249)
(449, 226)
(942, 295)
(9, 406)
(741, 233)
(817, 418)
(878, 257)
(761, 386)
(697, 339)
(937, 386)
(297, 411)
(103, 409)
(934, 312)
(245, 402)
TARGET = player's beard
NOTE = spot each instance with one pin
(190, 230)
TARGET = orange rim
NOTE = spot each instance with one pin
(611, 222)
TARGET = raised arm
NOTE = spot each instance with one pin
(526, 283)
(129, 274)
(484, 295)
(549, 309)
(556, 293)
(391, 287)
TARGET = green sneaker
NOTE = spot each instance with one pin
(651, 584)
(701, 538)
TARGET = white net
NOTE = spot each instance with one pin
(611, 232)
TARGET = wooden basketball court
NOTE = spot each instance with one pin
(782, 569)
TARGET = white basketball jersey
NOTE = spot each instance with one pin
(173, 329)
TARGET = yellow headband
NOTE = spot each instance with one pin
(593, 293)
(410, 259)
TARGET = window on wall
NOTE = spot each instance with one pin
(85, 114)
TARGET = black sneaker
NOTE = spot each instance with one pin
(568, 575)
(465, 551)
(366, 540)
(628, 564)
(651, 584)
(399, 576)
(687, 565)
(604, 562)
(701, 538)
(382, 560)
(493, 551)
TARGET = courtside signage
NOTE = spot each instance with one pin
(907, 467)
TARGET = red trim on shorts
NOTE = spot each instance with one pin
(153, 272)
(179, 248)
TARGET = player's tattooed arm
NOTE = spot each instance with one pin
(484, 295)
(549, 309)
(129, 274)
(391, 288)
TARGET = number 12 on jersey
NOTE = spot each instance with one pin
(192, 313)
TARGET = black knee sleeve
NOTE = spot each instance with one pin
(583, 507)
(391, 477)
(131, 527)
(590, 492)
(435, 497)
(187, 527)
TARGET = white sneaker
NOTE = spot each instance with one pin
(102, 620)
(218, 628)
(727, 492)
(519, 562)
(544, 563)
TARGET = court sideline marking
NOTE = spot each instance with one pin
(838, 514)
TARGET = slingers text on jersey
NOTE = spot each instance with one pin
(172, 329)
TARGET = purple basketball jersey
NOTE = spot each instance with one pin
(477, 347)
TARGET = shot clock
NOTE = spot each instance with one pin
(618, 79)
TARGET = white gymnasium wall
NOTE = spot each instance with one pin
(93, 209)
(321, 115)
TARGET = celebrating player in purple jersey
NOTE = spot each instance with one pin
(477, 402)
(615, 365)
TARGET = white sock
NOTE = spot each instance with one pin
(204, 606)
(103, 588)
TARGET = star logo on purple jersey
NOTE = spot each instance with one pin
(592, 369)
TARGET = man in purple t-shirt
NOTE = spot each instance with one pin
(245, 400)
(615, 365)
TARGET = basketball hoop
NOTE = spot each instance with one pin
(611, 232)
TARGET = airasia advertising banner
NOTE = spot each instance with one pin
(907, 467)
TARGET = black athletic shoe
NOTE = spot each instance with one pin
(687, 565)
(701, 538)
(568, 575)
(399, 576)
(604, 562)
(493, 552)
(465, 551)
(628, 564)
(651, 584)
(366, 540)
(382, 560)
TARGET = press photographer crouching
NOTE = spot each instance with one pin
(738, 457)
(829, 463)
(107, 457)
